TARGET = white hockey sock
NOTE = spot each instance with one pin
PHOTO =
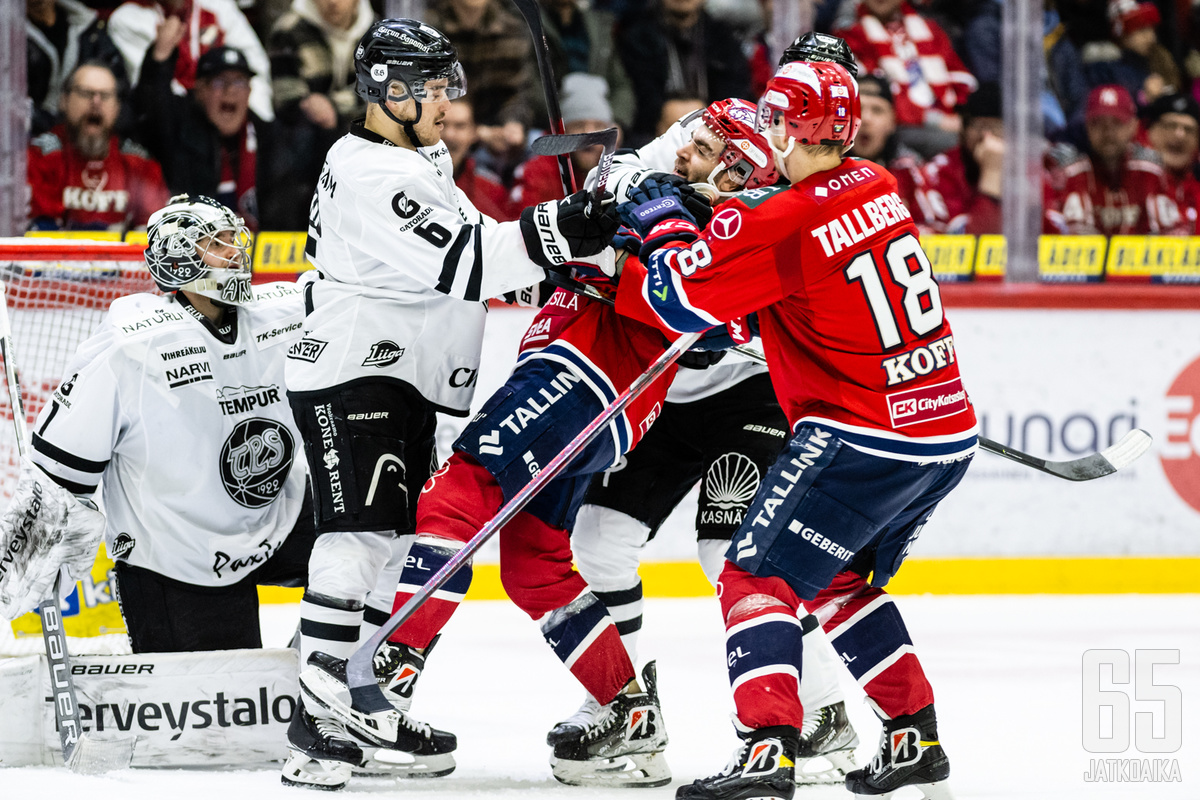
(712, 557)
(607, 546)
(625, 608)
(342, 569)
(819, 685)
(381, 599)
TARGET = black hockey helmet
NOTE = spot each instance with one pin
(408, 51)
(814, 46)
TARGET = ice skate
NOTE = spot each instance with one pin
(827, 743)
(406, 747)
(397, 668)
(909, 755)
(573, 726)
(321, 754)
(761, 768)
(621, 746)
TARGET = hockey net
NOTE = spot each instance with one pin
(58, 292)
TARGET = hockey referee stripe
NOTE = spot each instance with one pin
(1093, 575)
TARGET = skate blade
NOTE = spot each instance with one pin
(938, 790)
(385, 763)
(334, 697)
(302, 770)
(635, 770)
(827, 768)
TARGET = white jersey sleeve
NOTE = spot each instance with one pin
(187, 430)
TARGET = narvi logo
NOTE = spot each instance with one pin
(383, 354)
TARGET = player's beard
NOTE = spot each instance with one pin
(90, 140)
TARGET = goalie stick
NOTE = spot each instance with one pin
(1125, 451)
(365, 694)
(83, 752)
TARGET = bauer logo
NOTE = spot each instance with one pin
(1180, 454)
(255, 461)
(927, 403)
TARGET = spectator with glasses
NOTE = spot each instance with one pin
(81, 174)
(209, 142)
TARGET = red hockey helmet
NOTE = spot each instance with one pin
(747, 155)
(814, 102)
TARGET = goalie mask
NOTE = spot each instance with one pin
(196, 244)
(746, 158)
(398, 59)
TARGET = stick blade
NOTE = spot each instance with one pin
(1130, 447)
(563, 143)
(95, 755)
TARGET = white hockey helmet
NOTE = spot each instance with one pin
(186, 244)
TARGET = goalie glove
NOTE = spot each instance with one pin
(44, 528)
(559, 231)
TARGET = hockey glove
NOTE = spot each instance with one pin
(739, 330)
(556, 232)
(627, 239)
(44, 527)
(700, 359)
(697, 204)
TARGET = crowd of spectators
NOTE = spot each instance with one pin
(133, 100)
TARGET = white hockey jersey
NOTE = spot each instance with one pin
(191, 431)
(628, 170)
(407, 264)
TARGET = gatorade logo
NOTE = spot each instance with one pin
(1180, 454)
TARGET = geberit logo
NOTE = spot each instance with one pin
(181, 716)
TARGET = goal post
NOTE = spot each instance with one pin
(57, 292)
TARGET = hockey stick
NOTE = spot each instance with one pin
(565, 143)
(83, 752)
(365, 694)
(1125, 451)
(532, 12)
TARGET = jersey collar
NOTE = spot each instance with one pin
(226, 333)
(359, 129)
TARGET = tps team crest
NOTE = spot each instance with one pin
(255, 461)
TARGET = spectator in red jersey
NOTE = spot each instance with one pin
(82, 176)
(207, 142)
(584, 108)
(1118, 187)
(962, 188)
(917, 57)
(1173, 130)
(461, 135)
(877, 140)
(201, 25)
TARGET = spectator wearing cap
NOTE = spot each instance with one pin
(581, 40)
(1117, 186)
(196, 26)
(1173, 130)
(674, 48)
(81, 175)
(917, 57)
(584, 108)
(480, 185)
(208, 142)
(877, 141)
(311, 48)
(1138, 62)
(59, 35)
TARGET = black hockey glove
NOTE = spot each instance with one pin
(700, 359)
(556, 232)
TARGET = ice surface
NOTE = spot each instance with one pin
(1006, 670)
